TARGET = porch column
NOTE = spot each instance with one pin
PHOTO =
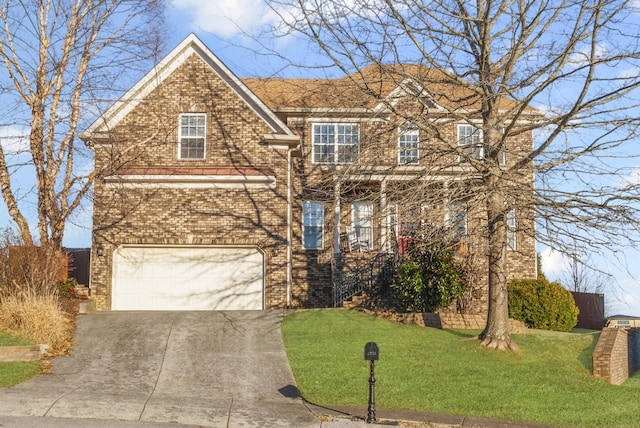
(336, 216)
(384, 216)
(336, 265)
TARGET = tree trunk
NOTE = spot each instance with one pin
(497, 333)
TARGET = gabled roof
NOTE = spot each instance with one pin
(369, 88)
(191, 45)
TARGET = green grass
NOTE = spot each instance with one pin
(12, 373)
(446, 371)
(9, 339)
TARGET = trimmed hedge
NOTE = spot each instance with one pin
(542, 304)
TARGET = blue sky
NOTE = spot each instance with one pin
(227, 27)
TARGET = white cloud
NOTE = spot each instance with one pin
(554, 263)
(14, 140)
(630, 179)
(583, 56)
(629, 73)
(226, 18)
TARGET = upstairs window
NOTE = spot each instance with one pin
(408, 141)
(192, 136)
(336, 142)
(312, 225)
(470, 140)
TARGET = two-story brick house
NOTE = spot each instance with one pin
(227, 193)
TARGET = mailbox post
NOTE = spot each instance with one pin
(371, 354)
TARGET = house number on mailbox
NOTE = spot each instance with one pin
(371, 352)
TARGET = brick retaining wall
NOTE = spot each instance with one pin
(616, 355)
(448, 320)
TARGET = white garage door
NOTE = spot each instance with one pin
(188, 278)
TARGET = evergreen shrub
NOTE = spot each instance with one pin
(429, 279)
(542, 304)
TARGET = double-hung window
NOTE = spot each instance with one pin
(408, 144)
(192, 136)
(336, 142)
(470, 140)
(362, 212)
(510, 219)
(456, 219)
(312, 225)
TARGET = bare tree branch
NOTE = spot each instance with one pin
(62, 59)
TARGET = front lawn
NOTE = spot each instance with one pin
(446, 371)
(12, 373)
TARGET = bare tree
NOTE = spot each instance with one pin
(566, 70)
(62, 60)
(581, 276)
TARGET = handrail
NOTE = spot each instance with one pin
(364, 277)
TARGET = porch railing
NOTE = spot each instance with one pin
(363, 277)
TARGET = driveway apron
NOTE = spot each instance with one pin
(199, 368)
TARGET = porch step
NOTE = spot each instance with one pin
(355, 301)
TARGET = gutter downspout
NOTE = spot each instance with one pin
(289, 226)
(288, 143)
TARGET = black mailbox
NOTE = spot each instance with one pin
(371, 352)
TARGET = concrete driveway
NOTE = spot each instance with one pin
(196, 368)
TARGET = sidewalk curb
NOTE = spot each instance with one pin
(386, 416)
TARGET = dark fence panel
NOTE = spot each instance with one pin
(79, 264)
(591, 307)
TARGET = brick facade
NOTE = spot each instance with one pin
(152, 215)
(317, 182)
(142, 141)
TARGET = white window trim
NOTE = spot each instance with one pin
(204, 149)
(304, 243)
(335, 142)
(511, 225)
(359, 222)
(410, 130)
(451, 209)
(502, 157)
(480, 145)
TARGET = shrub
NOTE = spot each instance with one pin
(31, 268)
(429, 279)
(68, 288)
(31, 279)
(542, 304)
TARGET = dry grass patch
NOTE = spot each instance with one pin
(30, 300)
(38, 317)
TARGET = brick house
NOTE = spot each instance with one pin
(225, 193)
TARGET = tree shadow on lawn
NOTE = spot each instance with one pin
(463, 334)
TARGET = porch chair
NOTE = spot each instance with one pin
(354, 242)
